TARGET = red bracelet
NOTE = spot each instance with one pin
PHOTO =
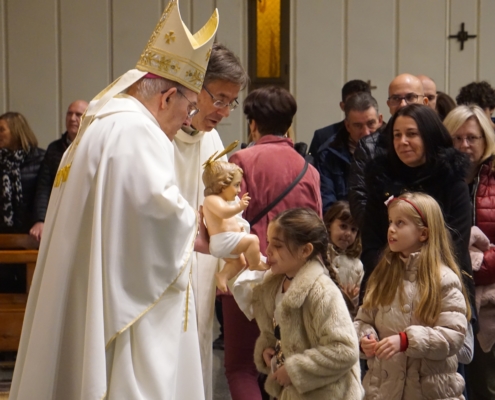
(404, 341)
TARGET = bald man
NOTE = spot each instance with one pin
(50, 163)
(430, 90)
(403, 90)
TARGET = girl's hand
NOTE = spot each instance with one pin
(268, 353)
(368, 344)
(387, 347)
(282, 377)
(351, 291)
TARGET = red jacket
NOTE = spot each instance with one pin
(484, 213)
(270, 166)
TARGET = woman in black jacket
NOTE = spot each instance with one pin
(420, 158)
(20, 160)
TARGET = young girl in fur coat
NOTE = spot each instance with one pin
(307, 344)
(413, 319)
(344, 250)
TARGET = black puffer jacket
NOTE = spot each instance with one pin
(444, 181)
(47, 174)
(29, 178)
(367, 149)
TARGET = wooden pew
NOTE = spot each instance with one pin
(15, 249)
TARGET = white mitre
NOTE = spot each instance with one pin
(172, 52)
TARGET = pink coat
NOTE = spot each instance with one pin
(269, 167)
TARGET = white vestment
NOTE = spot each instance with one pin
(107, 307)
(190, 154)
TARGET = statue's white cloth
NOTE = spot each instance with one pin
(106, 311)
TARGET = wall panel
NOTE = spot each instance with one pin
(233, 18)
(486, 32)
(371, 46)
(421, 39)
(317, 66)
(31, 63)
(132, 22)
(85, 49)
(462, 63)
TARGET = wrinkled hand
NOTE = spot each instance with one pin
(368, 345)
(351, 291)
(282, 377)
(202, 243)
(244, 201)
(37, 230)
(387, 347)
(268, 353)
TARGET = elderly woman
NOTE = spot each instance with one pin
(472, 134)
(270, 166)
(20, 160)
(420, 158)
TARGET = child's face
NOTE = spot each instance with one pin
(233, 189)
(342, 234)
(404, 236)
(279, 256)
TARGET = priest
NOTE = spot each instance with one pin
(110, 313)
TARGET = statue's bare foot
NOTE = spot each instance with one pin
(221, 280)
(260, 267)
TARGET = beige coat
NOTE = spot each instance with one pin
(427, 369)
(318, 339)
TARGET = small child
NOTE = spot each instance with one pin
(344, 250)
(228, 240)
(413, 319)
(307, 344)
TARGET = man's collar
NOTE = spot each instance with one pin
(190, 130)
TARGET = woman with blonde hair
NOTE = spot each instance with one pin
(20, 160)
(414, 316)
(473, 134)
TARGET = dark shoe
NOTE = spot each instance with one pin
(218, 343)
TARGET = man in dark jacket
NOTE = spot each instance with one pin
(49, 166)
(403, 90)
(335, 155)
(323, 134)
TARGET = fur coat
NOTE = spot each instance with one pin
(427, 369)
(318, 339)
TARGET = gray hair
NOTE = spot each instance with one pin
(360, 102)
(225, 66)
(147, 88)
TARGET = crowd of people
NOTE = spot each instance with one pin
(379, 243)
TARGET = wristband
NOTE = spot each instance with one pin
(404, 341)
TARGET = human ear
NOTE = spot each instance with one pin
(307, 250)
(342, 105)
(425, 100)
(424, 235)
(166, 96)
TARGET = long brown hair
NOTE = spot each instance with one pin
(388, 275)
(22, 134)
(300, 226)
(340, 210)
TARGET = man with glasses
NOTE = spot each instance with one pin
(430, 91)
(403, 90)
(193, 145)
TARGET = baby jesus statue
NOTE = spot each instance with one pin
(228, 240)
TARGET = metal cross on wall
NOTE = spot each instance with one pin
(462, 36)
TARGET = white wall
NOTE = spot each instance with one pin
(55, 51)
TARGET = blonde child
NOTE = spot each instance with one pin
(344, 250)
(228, 239)
(413, 319)
(307, 344)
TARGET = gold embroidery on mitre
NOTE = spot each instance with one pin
(170, 37)
(172, 52)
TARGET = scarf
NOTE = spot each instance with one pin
(10, 166)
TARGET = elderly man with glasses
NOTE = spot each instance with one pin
(193, 144)
(403, 90)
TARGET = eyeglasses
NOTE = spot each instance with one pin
(192, 110)
(471, 139)
(409, 98)
(220, 104)
(431, 97)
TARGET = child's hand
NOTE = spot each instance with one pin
(268, 353)
(351, 291)
(282, 377)
(244, 201)
(387, 347)
(368, 344)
